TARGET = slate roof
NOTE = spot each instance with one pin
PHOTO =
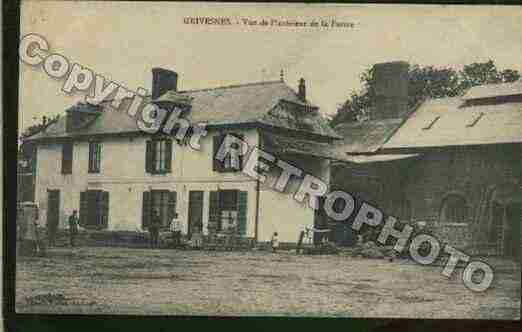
(253, 103)
(494, 90)
(444, 122)
(276, 143)
(365, 137)
(365, 159)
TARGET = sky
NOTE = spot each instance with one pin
(124, 40)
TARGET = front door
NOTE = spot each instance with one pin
(53, 209)
(195, 212)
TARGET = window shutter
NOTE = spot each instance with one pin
(168, 155)
(213, 219)
(242, 204)
(92, 209)
(240, 157)
(34, 159)
(172, 205)
(146, 210)
(216, 164)
(104, 209)
(148, 157)
(83, 208)
(64, 159)
(98, 158)
(90, 168)
(67, 154)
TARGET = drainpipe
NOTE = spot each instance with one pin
(260, 142)
(257, 210)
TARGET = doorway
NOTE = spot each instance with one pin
(320, 222)
(53, 213)
(195, 212)
(512, 236)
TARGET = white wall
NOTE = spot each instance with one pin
(280, 212)
(123, 176)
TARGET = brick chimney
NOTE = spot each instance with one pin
(163, 80)
(391, 90)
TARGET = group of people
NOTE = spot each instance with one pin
(154, 230)
(156, 225)
(73, 230)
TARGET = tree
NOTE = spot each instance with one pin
(425, 82)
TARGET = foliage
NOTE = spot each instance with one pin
(425, 82)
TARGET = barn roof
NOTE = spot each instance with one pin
(276, 143)
(494, 90)
(447, 122)
(365, 137)
(271, 103)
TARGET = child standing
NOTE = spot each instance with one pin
(274, 242)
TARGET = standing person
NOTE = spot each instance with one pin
(176, 230)
(51, 233)
(274, 242)
(73, 227)
(154, 230)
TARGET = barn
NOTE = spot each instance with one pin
(453, 164)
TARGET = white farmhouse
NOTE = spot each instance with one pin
(96, 160)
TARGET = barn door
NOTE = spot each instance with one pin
(195, 213)
(53, 209)
(513, 220)
(320, 221)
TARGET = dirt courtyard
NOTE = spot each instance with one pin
(171, 282)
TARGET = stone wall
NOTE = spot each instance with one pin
(458, 235)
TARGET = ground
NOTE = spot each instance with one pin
(139, 281)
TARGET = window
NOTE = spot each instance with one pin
(158, 156)
(67, 156)
(94, 209)
(94, 157)
(228, 211)
(233, 161)
(228, 208)
(162, 202)
(454, 209)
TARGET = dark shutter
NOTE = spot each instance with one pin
(90, 168)
(216, 164)
(168, 155)
(83, 208)
(242, 204)
(146, 210)
(172, 205)
(64, 158)
(149, 155)
(67, 154)
(92, 151)
(104, 209)
(241, 137)
(214, 213)
(98, 156)
(92, 209)
(34, 159)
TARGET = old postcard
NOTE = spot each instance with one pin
(237, 159)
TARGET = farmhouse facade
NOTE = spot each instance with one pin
(97, 161)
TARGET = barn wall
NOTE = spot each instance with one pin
(466, 171)
(426, 181)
